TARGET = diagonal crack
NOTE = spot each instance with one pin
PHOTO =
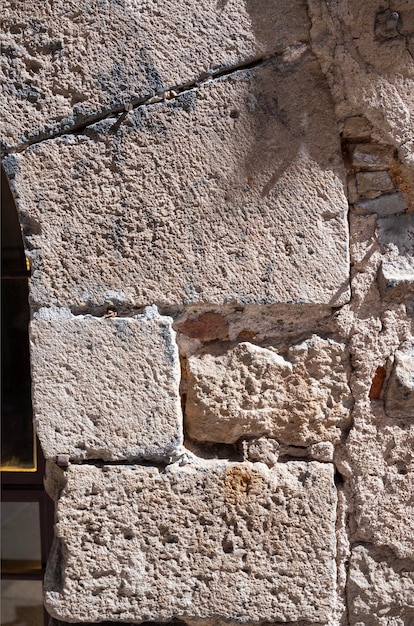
(122, 111)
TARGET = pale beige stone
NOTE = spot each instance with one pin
(69, 60)
(214, 540)
(227, 193)
(106, 388)
(399, 395)
(247, 390)
(380, 589)
(382, 483)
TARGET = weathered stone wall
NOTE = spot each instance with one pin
(217, 201)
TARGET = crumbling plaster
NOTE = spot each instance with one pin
(243, 453)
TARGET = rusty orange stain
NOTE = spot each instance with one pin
(377, 383)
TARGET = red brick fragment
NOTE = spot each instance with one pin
(377, 383)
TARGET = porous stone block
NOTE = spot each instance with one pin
(68, 60)
(372, 184)
(399, 394)
(382, 484)
(216, 540)
(370, 156)
(106, 388)
(383, 206)
(380, 589)
(214, 196)
(246, 390)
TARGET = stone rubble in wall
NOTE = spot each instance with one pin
(312, 524)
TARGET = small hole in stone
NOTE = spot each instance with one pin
(234, 114)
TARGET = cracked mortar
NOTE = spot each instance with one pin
(274, 482)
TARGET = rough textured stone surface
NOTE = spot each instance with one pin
(367, 74)
(365, 156)
(106, 388)
(396, 280)
(65, 61)
(399, 395)
(382, 465)
(247, 390)
(175, 207)
(380, 589)
(357, 128)
(218, 540)
(372, 184)
(397, 231)
(396, 276)
(383, 206)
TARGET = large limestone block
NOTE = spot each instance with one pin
(68, 60)
(399, 395)
(382, 484)
(219, 540)
(380, 589)
(248, 390)
(106, 388)
(225, 193)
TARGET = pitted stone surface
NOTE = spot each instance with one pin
(219, 540)
(396, 275)
(380, 589)
(249, 390)
(382, 484)
(68, 60)
(212, 197)
(106, 388)
(399, 395)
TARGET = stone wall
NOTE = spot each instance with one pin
(217, 200)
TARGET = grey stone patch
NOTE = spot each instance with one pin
(372, 184)
(396, 274)
(371, 156)
(55, 313)
(106, 388)
(383, 206)
(227, 541)
(380, 588)
(399, 394)
(398, 231)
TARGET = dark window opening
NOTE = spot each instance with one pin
(27, 512)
